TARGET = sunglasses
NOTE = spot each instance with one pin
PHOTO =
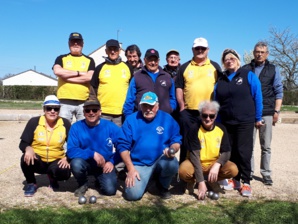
(89, 110)
(211, 116)
(56, 109)
(200, 48)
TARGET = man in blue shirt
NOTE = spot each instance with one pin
(272, 91)
(145, 143)
(90, 147)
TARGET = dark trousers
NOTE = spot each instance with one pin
(186, 119)
(241, 140)
(50, 168)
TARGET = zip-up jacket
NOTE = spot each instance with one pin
(270, 89)
(142, 82)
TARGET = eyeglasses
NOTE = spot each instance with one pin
(200, 48)
(78, 42)
(56, 109)
(174, 58)
(211, 116)
(230, 59)
(261, 52)
(89, 110)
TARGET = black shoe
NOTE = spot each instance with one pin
(163, 192)
(267, 180)
(81, 190)
(53, 183)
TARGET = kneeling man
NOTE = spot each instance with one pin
(147, 136)
(91, 149)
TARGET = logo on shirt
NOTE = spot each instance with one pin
(83, 65)
(68, 64)
(239, 81)
(163, 83)
(202, 141)
(190, 74)
(60, 138)
(210, 72)
(218, 141)
(41, 136)
(107, 73)
(109, 142)
(159, 130)
(124, 73)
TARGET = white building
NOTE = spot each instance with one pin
(30, 78)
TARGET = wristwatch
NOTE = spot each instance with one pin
(277, 111)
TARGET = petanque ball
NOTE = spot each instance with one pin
(210, 194)
(82, 200)
(171, 151)
(92, 200)
(215, 196)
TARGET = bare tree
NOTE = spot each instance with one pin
(248, 56)
(283, 47)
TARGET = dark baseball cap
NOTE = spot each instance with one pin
(112, 43)
(151, 52)
(75, 36)
(92, 102)
(172, 51)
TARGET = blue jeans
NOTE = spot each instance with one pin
(82, 168)
(70, 108)
(165, 167)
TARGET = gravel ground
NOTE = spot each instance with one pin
(284, 166)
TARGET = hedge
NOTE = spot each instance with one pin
(27, 92)
(39, 93)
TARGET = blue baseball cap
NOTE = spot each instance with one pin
(149, 98)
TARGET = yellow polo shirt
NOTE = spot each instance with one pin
(199, 83)
(113, 86)
(74, 91)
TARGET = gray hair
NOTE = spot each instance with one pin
(261, 44)
(209, 105)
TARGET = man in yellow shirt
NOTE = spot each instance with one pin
(110, 83)
(194, 83)
(74, 71)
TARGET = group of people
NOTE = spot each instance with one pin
(135, 116)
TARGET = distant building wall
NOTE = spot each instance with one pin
(31, 78)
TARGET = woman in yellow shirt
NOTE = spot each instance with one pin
(42, 146)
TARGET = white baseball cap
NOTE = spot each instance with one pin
(200, 42)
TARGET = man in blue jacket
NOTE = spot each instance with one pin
(151, 78)
(145, 143)
(91, 149)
